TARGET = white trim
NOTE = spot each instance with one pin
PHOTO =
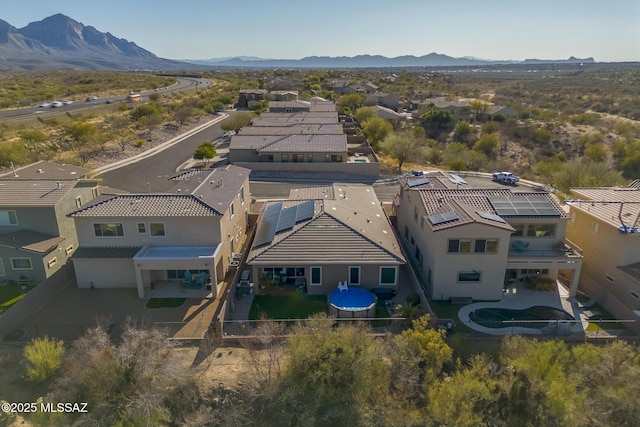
(23, 269)
(68, 250)
(78, 201)
(359, 275)
(53, 261)
(3, 272)
(311, 276)
(395, 276)
(164, 230)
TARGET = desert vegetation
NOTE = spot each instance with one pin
(330, 374)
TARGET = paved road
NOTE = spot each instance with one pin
(156, 170)
(27, 113)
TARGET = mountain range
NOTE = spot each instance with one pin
(59, 42)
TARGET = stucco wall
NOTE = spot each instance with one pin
(105, 273)
(367, 169)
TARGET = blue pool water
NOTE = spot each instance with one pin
(536, 317)
(352, 299)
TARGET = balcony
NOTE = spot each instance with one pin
(566, 249)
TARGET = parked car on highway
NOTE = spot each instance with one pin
(505, 177)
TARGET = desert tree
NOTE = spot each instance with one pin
(205, 152)
(237, 121)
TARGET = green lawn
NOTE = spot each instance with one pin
(9, 295)
(295, 305)
(165, 302)
(446, 310)
(381, 313)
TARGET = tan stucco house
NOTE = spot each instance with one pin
(605, 223)
(470, 242)
(36, 237)
(320, 236)
(137, 240)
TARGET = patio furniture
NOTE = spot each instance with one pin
(519, 246)
(187, 279)
(201, 279)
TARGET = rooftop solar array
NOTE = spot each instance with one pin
(276, 219)
(442, 218)
(491, 217)
(416, 182)
(523, 206)
(456, 179)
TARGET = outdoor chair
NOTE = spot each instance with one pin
(201, 279)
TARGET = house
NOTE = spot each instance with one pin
(284, 95)
(248, 97)
(469, 242)
(320, 236)
(302, 141)
(605, 223)
(495, 110)
(459, 110)
(138, 240)
(288, 106)
(36, 237)
(388, 100)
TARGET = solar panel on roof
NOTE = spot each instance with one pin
(523, 206)
(305, 211)
(416, 182)
(442, 218)
(287, 219)
(267, 228)
(491, 217)
(272, 211)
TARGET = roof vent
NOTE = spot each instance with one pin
(368, 219)
(40, 171)
(58, 185)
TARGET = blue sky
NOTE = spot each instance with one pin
(491, 29)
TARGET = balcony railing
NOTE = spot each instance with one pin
(566, 249)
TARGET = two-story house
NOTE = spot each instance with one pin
(605, 223)
(36, 237)
(186, 237)
(470, 242)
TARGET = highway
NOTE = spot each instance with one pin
(28, 113)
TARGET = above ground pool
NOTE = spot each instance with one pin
(537, 317)
(352, 302)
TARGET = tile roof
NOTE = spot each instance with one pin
(466, 203)
(289, 119)
(319, 128)
(312, 193)
(120, 252)
(206, 192)
(611, 205)
(30, 241)
(44, 170)
(33, 193)
(351, 227)
(307, 144)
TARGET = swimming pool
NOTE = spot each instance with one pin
(537, 317)
(353, 302)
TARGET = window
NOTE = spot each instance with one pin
(354, 275)
(231, 209)
(634, 295)
(406, 232)
(316, 276)
(415, 213)
(519, 229)
(68, 250)
(8, 218)
(327, 158)
(310, 158)
(241, 196)
(541, 230)
(488, 246)
(142, 228)
(106, 229)
(595, 227)
(52, 262)
(157, 229)
(21, 263)
(610, 279)
(469, 277)
(284, 157)
(2, 272)
(413, 242)
(459, 246)
(536, 271)
(94, 192)
(388, 275)
(78, 201)
(417, 253)
(298, 158)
